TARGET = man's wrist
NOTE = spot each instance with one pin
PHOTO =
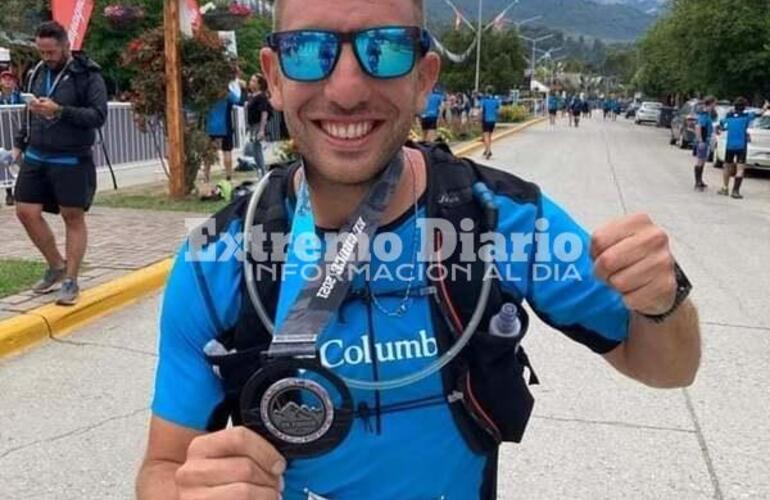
(683, 289)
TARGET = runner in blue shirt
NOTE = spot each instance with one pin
(553, 108)
(736, 125)
(704, 129)
(490, 109)
(430, 115)
(350, 131)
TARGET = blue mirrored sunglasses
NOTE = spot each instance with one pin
(383, 53)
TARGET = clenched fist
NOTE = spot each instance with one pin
(234, 464)
(632, 255)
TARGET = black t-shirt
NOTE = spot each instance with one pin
(258, 103)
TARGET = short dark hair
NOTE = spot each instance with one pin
(741, 103)
(419, 6)
(52, 29)
(709, 100)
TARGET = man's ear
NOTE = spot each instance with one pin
(272, 73)
(428, 72)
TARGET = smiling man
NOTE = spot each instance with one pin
(436, 436)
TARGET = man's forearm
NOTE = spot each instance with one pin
(156, 481)
(665, 355)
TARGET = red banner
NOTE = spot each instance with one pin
(190, 17)
(74, 15)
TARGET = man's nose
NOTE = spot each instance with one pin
(348, 86)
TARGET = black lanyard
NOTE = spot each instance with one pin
(320, 298)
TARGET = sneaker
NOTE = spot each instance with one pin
(68, 293)
(723, 192)
(9, 200)
(736, 196)
(50, 279)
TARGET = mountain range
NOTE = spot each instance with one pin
(612, 20)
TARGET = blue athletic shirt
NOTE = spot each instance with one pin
(737, 126)
(553, 103)
(706, 124)
(433, 106)
(491, 107)
(414, 454)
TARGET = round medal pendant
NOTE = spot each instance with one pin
(302, 408)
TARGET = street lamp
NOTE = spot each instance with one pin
(534, 42)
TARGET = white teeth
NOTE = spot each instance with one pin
(348, 132)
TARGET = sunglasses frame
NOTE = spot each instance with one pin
(420, 37)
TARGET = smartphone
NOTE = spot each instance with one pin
(28, 98)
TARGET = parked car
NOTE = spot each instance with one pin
(683, 124)
(632, 109)
(648, 112)
(758, 153)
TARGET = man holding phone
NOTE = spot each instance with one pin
(68, 105)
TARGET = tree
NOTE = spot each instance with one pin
(502, 61)
(21, 16)
(106, 45)
(251, 38)
(701, 47)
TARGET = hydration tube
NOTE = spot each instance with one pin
(381, 385)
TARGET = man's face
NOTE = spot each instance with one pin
(349, 102)
(52, 52)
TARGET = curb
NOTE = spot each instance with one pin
(30, 328)
(33, 327)
(466, 150)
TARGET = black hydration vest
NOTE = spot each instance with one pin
(485, 385)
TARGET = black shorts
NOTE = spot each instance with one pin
(225, 142)
(735, 156)
(488, 127)
(552, 112)
(55, 186)
(429, 123)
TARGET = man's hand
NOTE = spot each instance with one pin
(45, 107)
(632, 255)
(234, 464)
(15, 154)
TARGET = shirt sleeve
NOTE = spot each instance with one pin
(558, 280)
(187, 392)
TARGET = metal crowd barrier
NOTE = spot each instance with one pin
(125, 143)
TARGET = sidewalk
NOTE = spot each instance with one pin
(120, 241)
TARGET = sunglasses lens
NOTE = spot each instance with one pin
(308, 56)
(386, 52)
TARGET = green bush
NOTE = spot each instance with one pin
(513, 114)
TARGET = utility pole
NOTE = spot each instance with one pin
(479, 34)
(174, 117)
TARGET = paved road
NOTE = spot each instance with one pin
(73, 413)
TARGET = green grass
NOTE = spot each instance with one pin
(158, 202)
(155, 197)
(18, 275)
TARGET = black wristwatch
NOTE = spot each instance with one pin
(683, 288)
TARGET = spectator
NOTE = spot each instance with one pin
(57, 174)
(258, 111)
(703, 131)
(9, 94)
(219, 126)
(9, 88)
